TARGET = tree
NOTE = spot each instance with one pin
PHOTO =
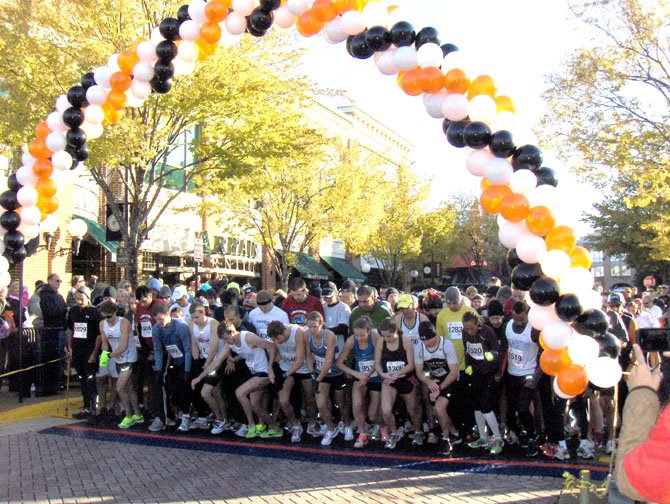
(610, 107)
(235, 103)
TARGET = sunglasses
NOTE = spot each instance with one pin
(263, 304)
(108, 316)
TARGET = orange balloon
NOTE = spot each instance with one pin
(505, 104)
(120, 81)
(540, 220)
(410, 82)
(47, 205)
(111, 114)
(43, 168)
(38, 149)
(580, 257)
(216, 10)
(514, 207)
(324, 10)
(117, 99)
(42, 130)
(205, 49)
(561, 238)
(210, 32)
(572, 379)
(342, 6)
(456, 81)
(46, 187)
(431, 80)
(307, 24)
(492, 198)
(482, 85)
(127, 61)
(553, 361)
(485, 183)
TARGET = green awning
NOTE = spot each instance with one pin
(97, 233)
(311, 269)
(344, 268)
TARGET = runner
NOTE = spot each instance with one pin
(264, 313)
(299, 303)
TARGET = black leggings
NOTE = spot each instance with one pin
(519, 399)
(484, 392)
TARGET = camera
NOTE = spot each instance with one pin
(654, 339)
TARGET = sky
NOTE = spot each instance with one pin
(518, 42)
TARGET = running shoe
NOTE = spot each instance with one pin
(479, 443)
(556, 451)
(362, 441)
(512, 438)
(169, 422)
(157, 425)
(425, 427)
(242, 431)
(417, 439)
(384, 434)
(348, 433)
(313, 430)
(375, 434)
(271, 433)
(340, 427)
(496, 446)
(533, 449)
(455, 439)
(328, 437)
(609, 447)
(219, 426)
(260, 428)
(126, 423)
(185, 424)
(446, 448)
(586, 449)
(137, 419)
(296, 433)
(252, 432)
(83, 414)
(432, 438)
(408, 427)
(200, 423)
(392, 441)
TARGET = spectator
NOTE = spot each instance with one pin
(77, 281)
(54, 310)
(34, 309)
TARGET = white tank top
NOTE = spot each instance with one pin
(413, 334)
(255, 358)
(287, 352)
(113, 335)
(522, 351)
(202, 337)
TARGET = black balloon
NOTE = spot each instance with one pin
(544, 291)
(445, 125)
(8, 201)
(166, 51)
(427, 35)
(10, 220)
(523, 275)
(546, 176)
(448, 48)
(358, 47)
(161, 86)
(568, 307)
(76, 138)
(76, 95)
(455, 133)
(527, 157)
(477, 135)
(73, 117)
(88, 80)
(163, 71)
(18, 255)
(270, 5)
(260, 19)
(592, 323)
(403, 34)
(78, 154)
(14, 240)
(502, 145)
(378, 38)
(169, 28)
(609, 344)
(253, 31)
(182, 14)
(513, 259)
(13, 184)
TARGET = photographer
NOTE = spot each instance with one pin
(643, 456)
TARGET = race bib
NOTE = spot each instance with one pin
(455, 330)
(366, 367)
(514, 357)
(319, 362)
(80, 330)
(145, 328)
(289, 358)
(204, 349)
(475, 350)
(395, 366)
(416, 342)
(174, 352)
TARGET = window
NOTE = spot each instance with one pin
(598, 271)
(149, 260)
(598, 256)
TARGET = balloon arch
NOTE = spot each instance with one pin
(515, 185)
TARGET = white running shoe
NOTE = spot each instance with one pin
(157, 425)
(609, 447)
(242, 431)
(185, 424)
(586, 449)
(328, 437)
(348, 433)
(296, 433)
(219, 426)
(200, 423)
(375, 433)
(313, 430)
(169, 422)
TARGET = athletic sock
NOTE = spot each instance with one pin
(492, 421)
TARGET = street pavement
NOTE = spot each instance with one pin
(45, 464)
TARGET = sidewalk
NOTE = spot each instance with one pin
(39, 407)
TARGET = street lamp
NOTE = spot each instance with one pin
(414, 274)
(426, 270)
(365, 268)
(77, 229)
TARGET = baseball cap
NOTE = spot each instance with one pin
(165, 292)
(328, 289)
(234, 286)
(614, 299)
(405, 301)
(154, 284)
(85, 291)
(179, 292)
(348, 285)
(109, 292)
(391, 290)
(452, 295)
(248, 288)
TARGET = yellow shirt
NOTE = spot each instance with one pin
(450, 325)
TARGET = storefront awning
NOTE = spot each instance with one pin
(311, 269)
(344, 268)
(97, 233)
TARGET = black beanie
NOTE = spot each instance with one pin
(495, 308)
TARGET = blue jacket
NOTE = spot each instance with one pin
(176, 333)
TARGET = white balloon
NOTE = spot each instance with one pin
(5, 279)
(544, 195)
(604, 372)
(143, 71)
(498, 171)
(429, 55)
(531, 248)
(156, 36)
(101, 76)
(556, 334)
(558, 391)
(284, 18)
(590, 300)
(540, 316)
(26, 176)
(297, 7)
(334, 31)
(236, 23)
(402, 13)
(482, 108)
(511, 232)
(583, 349)
(113, 63)
(4, 263)
(27, 159)
(55, 141)
(455, 59)
(375, 14)
(55, 122)
(95, 130)
(141, 89)
(576, 280)
(522, 182)
(384, 61)
(352, 22)
(455, 107)
(434, 105)
(27, 196)
(228, 39)
(189, 30)
(555, 263)
(62, 104)
(244, 7)
(146, 51)
(405, 58)
(95, 114)
(49, 224)
(182, 67)
(61, 160)
(30, 215)
(96, 95)
(63, 178)
(505, 120)
(477, 160)
(2, 246)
